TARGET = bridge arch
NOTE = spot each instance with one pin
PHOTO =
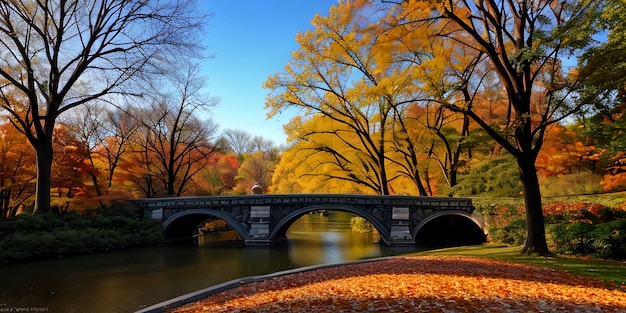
(182, 224)
(459, 227)
(283, 225)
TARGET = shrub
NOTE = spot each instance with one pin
(512, 234)
(46, 236)
(572, 238)
(80, 224)
(121, 208)
(610, 240)
(575, 228)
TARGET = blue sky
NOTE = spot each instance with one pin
(252, 40)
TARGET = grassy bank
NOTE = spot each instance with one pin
(611, 272)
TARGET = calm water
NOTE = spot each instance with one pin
(126, 281)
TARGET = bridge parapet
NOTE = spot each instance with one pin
(262, 219)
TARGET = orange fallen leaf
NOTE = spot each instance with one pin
(432, 283)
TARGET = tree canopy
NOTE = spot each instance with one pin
(58, 55)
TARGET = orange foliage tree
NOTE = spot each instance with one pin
(615, 180)
(173, 144)
(226, 166)
(563, 154)
(69, 168)
(17, 171)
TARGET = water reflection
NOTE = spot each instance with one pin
(327, 239)
(125, 281)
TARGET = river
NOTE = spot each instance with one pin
(129, 280)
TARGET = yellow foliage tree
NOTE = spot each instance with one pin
(343, 77)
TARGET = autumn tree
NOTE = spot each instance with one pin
(17, 171)
(174, 143)
(238, 141)
(295, 172)
(85, 124)
(69, 168)
(442, 136)
(563, 153)
(256, 170)
(223, 173)
(57, 55)
(119, 127)
(342, 76)
(524, 43)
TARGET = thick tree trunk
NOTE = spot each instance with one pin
(44, 153)
(536, 233)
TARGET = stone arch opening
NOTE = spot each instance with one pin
(185, 225)
(449, 228)
(283, 225)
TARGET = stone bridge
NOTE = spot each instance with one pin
(263, 219)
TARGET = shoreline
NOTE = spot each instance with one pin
(231, 284)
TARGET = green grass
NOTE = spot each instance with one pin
(611, 272)
(608, 199)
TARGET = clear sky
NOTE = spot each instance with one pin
(252, 40)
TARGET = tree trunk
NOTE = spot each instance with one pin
(5, 201)
(536, 232)
(44, 153)
(94, 179)
(171, 177)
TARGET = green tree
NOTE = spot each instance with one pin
(603, 70)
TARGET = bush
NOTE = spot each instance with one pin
(572, 238)
(574, 228)
(605, 240)
(47, 236)
(121, 208)
(610, 240)
(513, 234)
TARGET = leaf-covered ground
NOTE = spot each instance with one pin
(420, 284)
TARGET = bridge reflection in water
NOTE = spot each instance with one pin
(262, 220)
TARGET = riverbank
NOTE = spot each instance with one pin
(27, 238)
(435, 283)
